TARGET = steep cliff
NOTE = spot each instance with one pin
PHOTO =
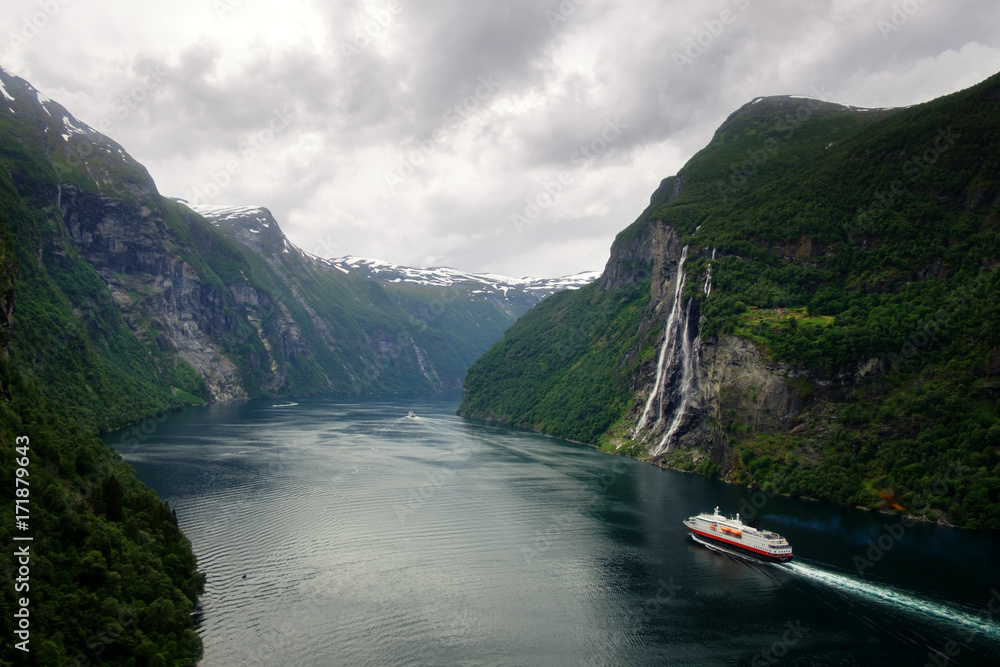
(151, 270)
(434, 321)
(105, 573)
(129, 304)
(809, 306)
(153, 306)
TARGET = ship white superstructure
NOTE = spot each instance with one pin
(734, 534)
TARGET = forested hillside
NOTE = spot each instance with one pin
(841, 280)
(119, 304)
(111, 578)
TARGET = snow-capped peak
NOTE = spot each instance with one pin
(444, 276)
(252, 219)
(241, 220)
(215, 213)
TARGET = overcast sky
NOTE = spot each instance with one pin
(516, 137)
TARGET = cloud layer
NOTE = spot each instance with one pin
(514, 137)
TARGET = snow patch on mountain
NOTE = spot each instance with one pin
(41, 102)
(6, 95)
(71, 128)
(215, 214)
(443, 276)
(255, 218)
(219, 213)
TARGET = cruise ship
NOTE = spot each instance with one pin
(735, 535)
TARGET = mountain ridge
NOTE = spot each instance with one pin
(784, 307)
(118, 305)
(445, 275)
(203, 299)
(381, 270)
(442, 320)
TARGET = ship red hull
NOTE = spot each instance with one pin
(742, 548)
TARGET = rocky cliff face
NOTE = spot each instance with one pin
(166, 307)
(680, 386)
(740, 390)
(695, 390)
(317, 319)
(163, 298)
(451, 316)
(775, 316)
(692, 405)
(638, 253)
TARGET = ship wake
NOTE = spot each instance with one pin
(898, 599)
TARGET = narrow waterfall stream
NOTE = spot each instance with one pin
(675, 384)
(707, 287)
(665, 350)
(687, 363)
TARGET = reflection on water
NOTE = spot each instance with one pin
(342, 532)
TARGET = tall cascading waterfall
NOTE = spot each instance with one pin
(687, 362)
(675, 386)
(667, 351)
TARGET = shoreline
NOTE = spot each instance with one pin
(660, 464)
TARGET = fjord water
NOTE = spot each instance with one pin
(339, 531)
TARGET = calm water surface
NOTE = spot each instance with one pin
(338, 531)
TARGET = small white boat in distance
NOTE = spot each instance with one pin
(411, 415)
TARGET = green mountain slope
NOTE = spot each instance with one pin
(375, 325)
(107, 575)
(848, 347)
(117, 304)
(131, 303)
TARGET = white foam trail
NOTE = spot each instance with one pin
(898, 599)
(667, 340)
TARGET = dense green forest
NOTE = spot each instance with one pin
(121, 304)
(566, 403)
(69, 337)
(130, 303)
(112, 578)
(843, 237)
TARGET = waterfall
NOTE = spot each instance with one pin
(707, 287)
(667, 349)
(687, 362)
(676, 375)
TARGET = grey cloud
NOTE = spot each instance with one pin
(358, 112)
